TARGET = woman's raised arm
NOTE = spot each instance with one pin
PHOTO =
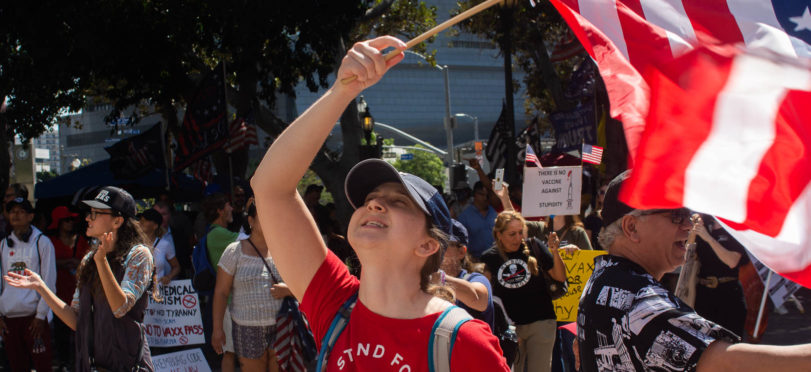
(290, 231)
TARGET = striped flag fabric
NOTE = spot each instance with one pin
(288, 345)
(532, 159)
(240, 134)
(205, 126)
(592, 154)
(626, 37)
(728, 135)
(496, 150)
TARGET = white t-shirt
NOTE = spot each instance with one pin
(163, 252)
(251, 302)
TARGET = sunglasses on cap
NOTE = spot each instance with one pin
(677, 216)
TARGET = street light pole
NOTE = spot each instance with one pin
(448, 119)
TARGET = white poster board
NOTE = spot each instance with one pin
(551, 191)
(175, 321)
(181, 361)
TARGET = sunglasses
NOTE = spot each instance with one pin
(94, 214)
(677, 216)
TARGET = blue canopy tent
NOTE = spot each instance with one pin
(185, 188)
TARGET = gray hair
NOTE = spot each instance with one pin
(612, 231)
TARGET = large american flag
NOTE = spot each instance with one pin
(626, 37)
(728, 130)
(728, 134)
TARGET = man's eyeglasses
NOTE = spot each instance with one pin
(677, 216)
(93, 214)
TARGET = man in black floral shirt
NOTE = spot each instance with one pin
(628, 321)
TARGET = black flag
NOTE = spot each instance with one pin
(205, 127)
(496, 150)
(135, 156)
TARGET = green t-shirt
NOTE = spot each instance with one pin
(217, 240)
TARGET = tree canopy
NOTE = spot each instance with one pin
(59, 55)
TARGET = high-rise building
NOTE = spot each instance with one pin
(46, 151)
(412, 95)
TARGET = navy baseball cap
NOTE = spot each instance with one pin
(458, 233)
(22, 202)
(613, 208)
(115, 198)
(152, 215)
(370, 173)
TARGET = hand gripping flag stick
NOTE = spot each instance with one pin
(437, 29)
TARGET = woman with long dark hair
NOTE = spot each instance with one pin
(108, 305)
(399, 231)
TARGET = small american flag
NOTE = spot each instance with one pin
(592, 154)
(532, 159)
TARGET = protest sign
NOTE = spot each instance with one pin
(181, 361)
(579, 267)
(551, 191)
(780, 288)
(574, 127)
(175, 321)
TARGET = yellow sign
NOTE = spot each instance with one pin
(579, 267)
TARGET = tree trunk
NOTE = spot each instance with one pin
(5, 155)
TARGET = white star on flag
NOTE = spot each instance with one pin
(803, 22)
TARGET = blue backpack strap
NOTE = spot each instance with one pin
(338, 324)
(443, 336)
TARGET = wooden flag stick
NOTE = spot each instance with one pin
(437, 29)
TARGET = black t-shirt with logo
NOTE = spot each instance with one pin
(524, 295)
(711, 265)
(627, 321)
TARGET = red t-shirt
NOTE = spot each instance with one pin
(371, 342)
(66, 280)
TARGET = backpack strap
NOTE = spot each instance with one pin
(443, 335)
(39, 254)
(338, 324)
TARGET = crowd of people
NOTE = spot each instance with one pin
(411, 284)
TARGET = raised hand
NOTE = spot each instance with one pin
(28, 280)
(699, 228)
(553, 242)
(105, 245)
(366, 62)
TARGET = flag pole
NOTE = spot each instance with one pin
(582, 143)
(762, 303)
(166, 159)
(437, 29)
(225, 102)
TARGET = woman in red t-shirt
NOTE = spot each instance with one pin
(69, 248)
(398, 230)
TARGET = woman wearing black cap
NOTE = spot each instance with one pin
(399, 231)
(108, 305)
